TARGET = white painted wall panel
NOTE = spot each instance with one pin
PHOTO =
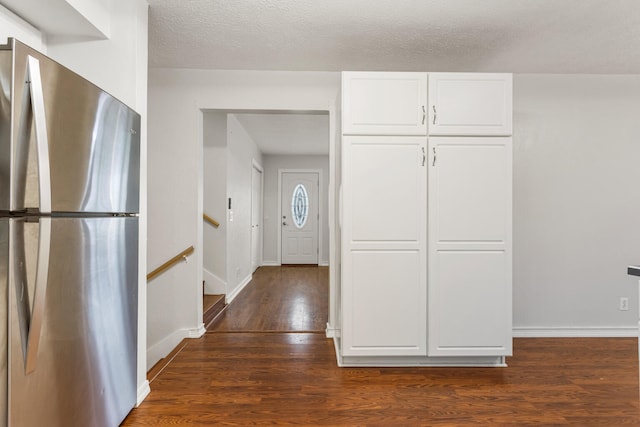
(576, 201)
(11, 25)
(215, 202)
(241, 152)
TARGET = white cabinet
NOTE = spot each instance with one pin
(384, 246)
(470, 246)
(407, 298)
(470, 104)
(381, 103)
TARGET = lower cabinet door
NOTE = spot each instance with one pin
(469, 261)
(387, 304)
(384, 283)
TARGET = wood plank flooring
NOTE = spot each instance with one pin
(288, 298)
(243, 378)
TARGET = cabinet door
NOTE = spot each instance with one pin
(470, 246)
(380, 103)
(384, 246)
(470, 104)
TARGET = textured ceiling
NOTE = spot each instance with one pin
(527, 36)
(290, 134)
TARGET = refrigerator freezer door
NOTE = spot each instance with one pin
(93, 141)
(84, 372)
(5, 128)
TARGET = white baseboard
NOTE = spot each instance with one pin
(213, 285)
(143, 392)
(332, 332)
(575, 332)
(231, 295)
(197, 332)
(270, 264)
(166, 345)
(323, 264)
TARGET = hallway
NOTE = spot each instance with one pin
(280, 299)
(268, 362)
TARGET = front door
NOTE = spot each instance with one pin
(300, 217)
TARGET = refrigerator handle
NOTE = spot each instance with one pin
(19, 279)
(34, 78)
(39, 294)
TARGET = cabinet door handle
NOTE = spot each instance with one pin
(424, 156)
(424, 114)
(434, 156)
(435, 114)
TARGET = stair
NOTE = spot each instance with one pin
(212, 306)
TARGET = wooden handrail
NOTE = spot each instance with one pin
(170, 263)
(210, 220)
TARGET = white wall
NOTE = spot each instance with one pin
(271, 221)
(12, 25)
(576, 202)
(215, 202)
(176, 100)
(242, 151)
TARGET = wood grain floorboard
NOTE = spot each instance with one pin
(235, 377)
(287, 298)
(249, 379)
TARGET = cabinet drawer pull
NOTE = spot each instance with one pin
(435, 114)
(424, 114)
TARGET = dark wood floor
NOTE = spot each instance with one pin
(280, 299)
(241, 378)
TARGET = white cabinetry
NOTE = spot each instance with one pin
(384, 246)
(469, 246)
(384, 103)
(408, 299)
(470, 104)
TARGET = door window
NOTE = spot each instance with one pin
(300, 206)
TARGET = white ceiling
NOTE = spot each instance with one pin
(288, 134)
(522, 36)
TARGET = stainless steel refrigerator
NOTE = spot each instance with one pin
(69, 199)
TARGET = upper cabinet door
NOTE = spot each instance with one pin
(470, 104)
(381, 103)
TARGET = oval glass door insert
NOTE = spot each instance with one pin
(300, 206)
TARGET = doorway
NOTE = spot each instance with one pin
(300, 214)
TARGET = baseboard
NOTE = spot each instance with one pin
(197, 332)
(143, 392)
(336, 346)
(323, 264)
(270, 264)
(331, 331)
(213, 285)
(165, 346)
(575, 332)
(231, 295)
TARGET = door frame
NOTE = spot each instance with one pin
(255, 165)
(320, 208)
(301, 105)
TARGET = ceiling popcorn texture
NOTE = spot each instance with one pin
(520, 36)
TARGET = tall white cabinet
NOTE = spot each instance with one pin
(426, 219)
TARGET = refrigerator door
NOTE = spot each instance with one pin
(4, 274)
(72, 320)
(5, 128)
(73, 146)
